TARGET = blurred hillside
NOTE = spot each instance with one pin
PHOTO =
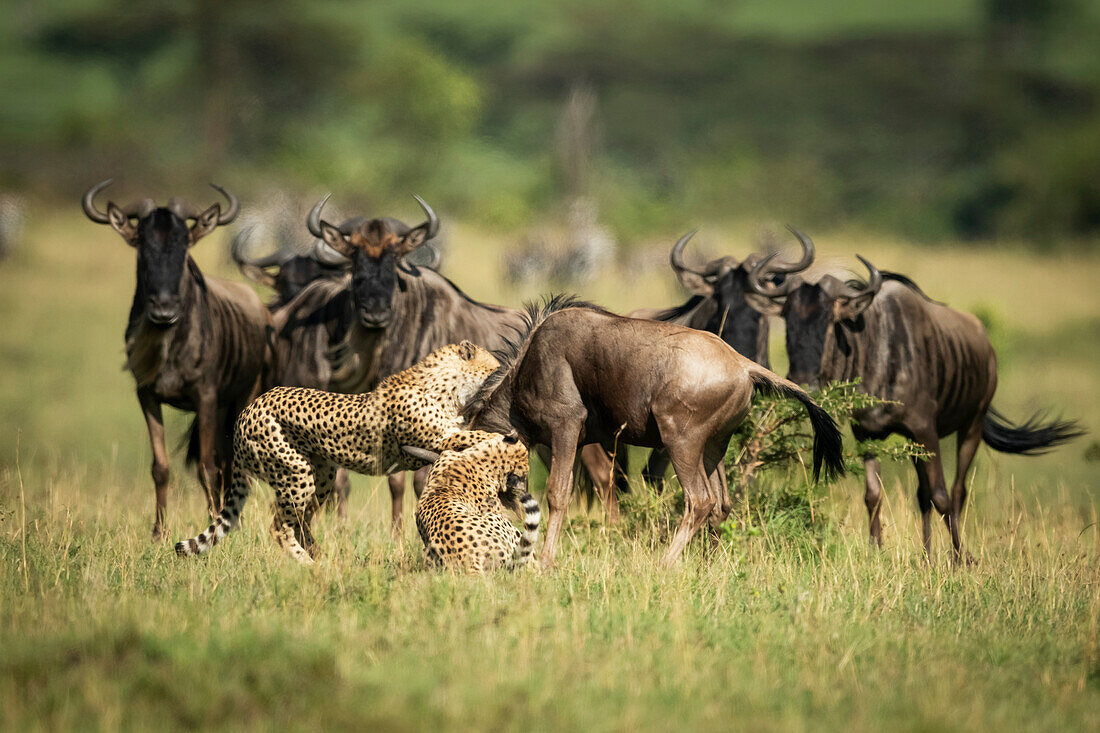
(946, 118)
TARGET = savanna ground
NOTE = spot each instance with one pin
(773, 627)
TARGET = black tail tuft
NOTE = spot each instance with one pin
(1031, 438)
(828, 444)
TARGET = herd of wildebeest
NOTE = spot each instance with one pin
(574, 381)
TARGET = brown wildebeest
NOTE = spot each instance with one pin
(934, 365)
(583, 375)
(387, 314)
(193, 342)
(724, 304)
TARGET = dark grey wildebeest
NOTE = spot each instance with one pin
(934, 365)
(193, 342)
(582, 375)
(724, 304)
(346, 335)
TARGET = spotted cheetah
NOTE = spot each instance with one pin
(461, 515)
(294, 438)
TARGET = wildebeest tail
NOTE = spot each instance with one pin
(828, 445)
(224, 522)
(1031, 438)
(530, 534)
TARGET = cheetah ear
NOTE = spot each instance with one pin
(467, 350)
(421, 453)
(512, 437)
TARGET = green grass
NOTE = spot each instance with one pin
(770, 629)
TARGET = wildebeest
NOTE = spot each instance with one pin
(193, 342)
(724, 304)
(581, 375)
(346, 335)
(934, 366)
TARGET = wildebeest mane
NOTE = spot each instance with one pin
(669, 314)
(899, 278)
(533, 314)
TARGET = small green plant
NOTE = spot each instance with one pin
(768, 462)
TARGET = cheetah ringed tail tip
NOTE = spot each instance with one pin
(532, 515)
(222, 524)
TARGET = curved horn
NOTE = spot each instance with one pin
(421, 453)
(760, 286)
(807, 254)
(432, 224)
(326, 255)
(676, 256)
(89, 206)
(874, 282)
(237, 250)
(234, 205)
(313, 221)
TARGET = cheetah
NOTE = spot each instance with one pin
(294, 438)
(460, 515)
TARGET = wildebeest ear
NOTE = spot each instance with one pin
(205, 223)
(412, 240)
(120, 222)
(467, 350)
(335, 238)
(422, 454)
(846, 309)
(763, 304)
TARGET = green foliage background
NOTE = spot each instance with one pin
(970, 118)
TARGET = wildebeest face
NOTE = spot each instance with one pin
(808, 317)
(735, 321)
(161, 237)
(162, 241)
(376, 249)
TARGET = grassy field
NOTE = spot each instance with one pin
(99, 628)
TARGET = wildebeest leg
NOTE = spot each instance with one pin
(715, 464)
(397, 499)
(605, 475)
(872, 496)
(655, 469)
(559, 484)
(931, 489)
(968, 443)
(687, 458)
(154, 422)
(343, 484)
(207, 425)
(420, 480)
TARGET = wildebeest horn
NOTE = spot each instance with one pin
(807, 254)
(758, 285)
(676, 256)
(326, 255)
(237, 250)
(89, 206)
(421, 453)
(432, 224)
(313, 221)
(229, 214)
(874, 282)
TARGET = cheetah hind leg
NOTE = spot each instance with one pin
(295, 505)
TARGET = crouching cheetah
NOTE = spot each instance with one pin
(294, 438)
(461, 515)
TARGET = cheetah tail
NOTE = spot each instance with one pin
(227, 520)
(530, 534)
